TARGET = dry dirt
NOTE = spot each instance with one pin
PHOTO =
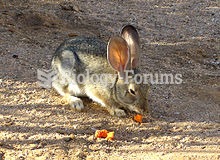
(177, 36)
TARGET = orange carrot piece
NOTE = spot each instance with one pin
(101, 133)
(138, 118)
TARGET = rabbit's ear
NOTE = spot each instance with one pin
(118, 54)
(130, 34)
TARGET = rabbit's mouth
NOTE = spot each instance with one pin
(136, 109)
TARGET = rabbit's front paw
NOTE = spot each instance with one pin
(76, 103)
(119, 112)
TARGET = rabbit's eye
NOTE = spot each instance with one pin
(131, 91)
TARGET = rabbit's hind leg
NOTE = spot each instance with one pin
(75, 102)
(73, 92)
(60, 88)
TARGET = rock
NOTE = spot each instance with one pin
(67, 139)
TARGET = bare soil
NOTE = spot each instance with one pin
(176, 37)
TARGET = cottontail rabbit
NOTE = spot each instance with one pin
(79, 60)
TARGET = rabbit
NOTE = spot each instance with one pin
(80, 54)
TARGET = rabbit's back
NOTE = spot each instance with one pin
(83, 53)
(83, 45)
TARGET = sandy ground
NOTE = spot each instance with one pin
(176, 37)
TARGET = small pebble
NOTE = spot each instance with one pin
(188, 127)
(67, 139)
(15, 56)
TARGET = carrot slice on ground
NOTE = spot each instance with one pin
(101, 133)
(138, 118)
